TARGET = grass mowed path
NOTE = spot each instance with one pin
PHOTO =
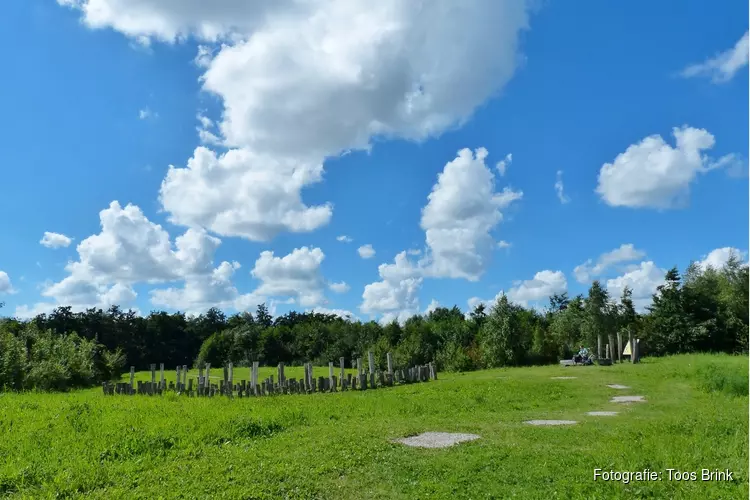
(337, 446)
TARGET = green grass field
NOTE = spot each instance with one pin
(336, 446)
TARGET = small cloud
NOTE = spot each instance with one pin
(503, 244)
(342, 287)
(722, 67)
(414, 251)
(344, 239)
(503, 164)
(366, 251)
(55, 240)
(146, 113)
(204, 56)
(560, 188)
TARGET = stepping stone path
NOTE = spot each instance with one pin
(563, 378)
(551, 422)
(628, 399)
(618, 386)
(436, 439)
(602, 413)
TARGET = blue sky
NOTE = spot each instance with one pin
(638, 108)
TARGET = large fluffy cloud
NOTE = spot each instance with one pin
(718, 257)
(653, 174)
(130, 249)
(243, 194)
(395, 296)
(462, 210)
(589, 270)
(303, 80)
(722, 67)
(642, 280)
(296, 275)
(544, 284)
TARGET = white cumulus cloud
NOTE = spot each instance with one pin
(395, 296)
(544, 284)
(462, 209)
(5, 284)
(55, 240)
(642, 280)
(718, 257)
(304, 80)
(589, 270)
(653, 174)
(366, 251)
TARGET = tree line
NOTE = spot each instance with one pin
(704, 309)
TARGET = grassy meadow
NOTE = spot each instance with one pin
(337, 446)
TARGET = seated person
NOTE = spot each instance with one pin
(583, 355)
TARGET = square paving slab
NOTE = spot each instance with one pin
(551, 422)
(436, 439)
(628, 399)
(618, 386)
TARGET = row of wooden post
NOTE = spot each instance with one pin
(282, 385)
(634, 353)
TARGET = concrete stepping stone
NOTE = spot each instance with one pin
(628, 399)
(602, 413)
(551, 422)
(618, 386)
(563, 378)
(436, 439)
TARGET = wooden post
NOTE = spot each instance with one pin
(330, 375)
(132, 378)
(619, 347)
(599, 345)
(153, 374)
(254, 376)
(371, 362)
(231, 380)
(359, 366)
(630, 341)
(636, 352)
(184, 376)
(281, 373)
(389, 360)
(606, 350)
(343, 371)
(161, 376)
(612, 346)
(208, 375)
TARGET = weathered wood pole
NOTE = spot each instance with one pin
(184, 376)
(254, 378)
(619, 347)
(280, 374)
(599, 345)
(359, 366)
(231, 380)
(208, 375)
(607, 351)
(371, 362)
(389, 361)
(153, 373)
(162, 384)
(330, 375)
(343, 371)
(132, 378)
(636, 352)
(632, 348)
